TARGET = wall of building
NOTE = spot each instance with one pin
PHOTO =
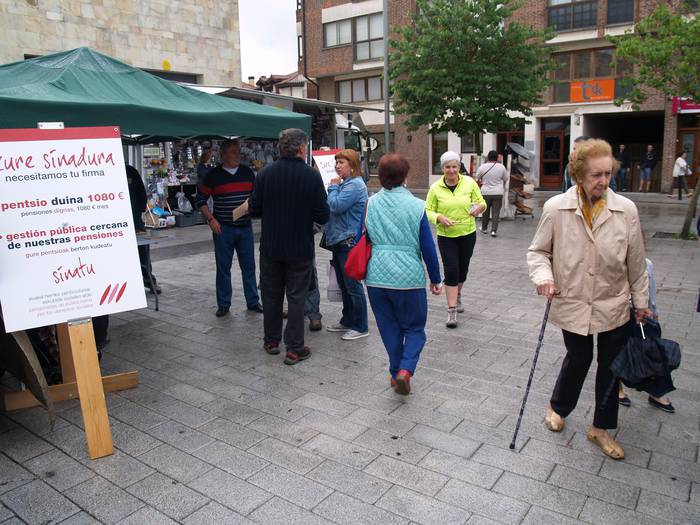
(198, 37)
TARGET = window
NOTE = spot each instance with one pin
(300, 47)
(620, 11)
(376, 140)
(369, 37)
(470, 144)
(337, 33)
(360, 90)
(572, 14)
(585, 65)
(439, 146)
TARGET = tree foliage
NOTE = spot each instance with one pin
(665, 51)
(462, 66)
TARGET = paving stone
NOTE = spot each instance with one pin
(280, 512)
(103, 500)
(613, 492)
(190, 394)
(287, 456)
(681, 449)
(36, 420)
(21, 445)
(420, 508)
(513, 462)
(147, 515)
(231, 459)
(541, 494)
(131, 440)
(646, 479)
(230, 491)
(483, 502)
(345, 510)
(12, 475)
(326, 404)
(349, 454)
(562, 455)
(175, 463)
(338, 427)
(633, 455)
(539, 516)
(5, 513)
(233, 411)
(407, 475)
(695, 494)
(36, 502)
(350, 481)
(601, 513)
(463, 469)
(393, 445)
(180, 436)
(59, 470)
(675, 467)
(380, 421)
(215, 513)
(120, 469)
(137, 416)
(232, 433)
(290, 486)
(429, 417)
(82, 518)
(278, 428)
(451, 443)
(666, 508)
(279, 408)
(170, 497)
(471, 412)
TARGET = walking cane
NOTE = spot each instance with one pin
(532, 373)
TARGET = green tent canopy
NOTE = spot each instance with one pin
(85, 88)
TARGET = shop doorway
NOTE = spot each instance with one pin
(689, 141)
(554, 149)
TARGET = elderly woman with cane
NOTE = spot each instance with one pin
(588, 256)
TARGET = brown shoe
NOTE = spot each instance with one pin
(605, 441)
(315, 325)
(553, 421)
(272, 348)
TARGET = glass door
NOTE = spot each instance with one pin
(552, 159)
(690, 143)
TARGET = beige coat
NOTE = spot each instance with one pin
(594, 270)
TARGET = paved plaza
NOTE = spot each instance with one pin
(220, 432)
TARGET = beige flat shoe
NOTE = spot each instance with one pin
(553, 421)
(605, 441)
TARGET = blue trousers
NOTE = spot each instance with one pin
(401, 317)
(238, 239)
(354, 302)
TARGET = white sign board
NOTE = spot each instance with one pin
(325, 162)
(67, 239)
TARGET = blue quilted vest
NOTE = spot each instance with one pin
(393, 226)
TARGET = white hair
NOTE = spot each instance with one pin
(449, 156)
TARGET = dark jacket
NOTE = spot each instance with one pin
(648, 160)
(290, 196)
(137, 196)
(623, 158)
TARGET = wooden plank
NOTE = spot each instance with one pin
(92, 395)
(24, 399)
(67, 368)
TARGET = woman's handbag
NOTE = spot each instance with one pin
(333, 292)
(358, 258)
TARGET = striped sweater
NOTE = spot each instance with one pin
(228, 192)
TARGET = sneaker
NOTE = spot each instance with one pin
(337, 327)
(483, 231)
(272, 348)
(460, 308)
(451, 318)
(315, 325)
(351, 335)
(292, 358)
(493, 234)
(403, 382)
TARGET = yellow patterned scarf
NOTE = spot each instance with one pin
(590, 211)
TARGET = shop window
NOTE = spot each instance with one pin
(564, 15)
(369, 37)
(377, 152)
(620, 11)
(337, 33)
(439, 146)
(469, 144)
(360, 90)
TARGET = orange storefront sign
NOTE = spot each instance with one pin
(597, 90)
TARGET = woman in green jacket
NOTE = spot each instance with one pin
(452, 203)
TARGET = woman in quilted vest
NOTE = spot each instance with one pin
(398, 229)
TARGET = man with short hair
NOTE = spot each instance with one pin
(289, 196)
(229, 185)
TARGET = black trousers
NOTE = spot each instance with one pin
(494, 203)
(277, 277)
(146, 268)
(456, 252)
(579, 355)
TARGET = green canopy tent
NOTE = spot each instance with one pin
(85, 88)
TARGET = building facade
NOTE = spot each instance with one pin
(198, 42)
(341, 48)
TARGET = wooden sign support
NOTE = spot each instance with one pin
(81, 378)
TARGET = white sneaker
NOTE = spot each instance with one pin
(460, 308)
(337, 327)
(451, 318)
(493, 234)
(351, 335)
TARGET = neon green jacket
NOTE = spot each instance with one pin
(455, 206)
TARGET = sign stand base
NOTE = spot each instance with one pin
(82, 379)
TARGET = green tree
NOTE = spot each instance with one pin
(463, 66)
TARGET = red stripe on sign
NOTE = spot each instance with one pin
(114, 292)
(104, 295)
(28, 134)
(232, 187)
(121, 292)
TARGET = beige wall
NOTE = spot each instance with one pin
(200, 37)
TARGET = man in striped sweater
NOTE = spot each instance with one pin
(229, 185)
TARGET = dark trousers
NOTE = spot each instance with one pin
(401, 317)
(354, 301)
(100, 327)
(277, 277)
(493, 202)
(146, 267)
(579, 355)
(238, 239)
(456, 252)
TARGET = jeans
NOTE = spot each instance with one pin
(645, 174)
(354, 301)
(277, 277)
(494, 203)
(622, 176)
(240, 240)
(574, 368)
(312, 304)
(401, 317)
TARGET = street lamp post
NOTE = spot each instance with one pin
(387, 144)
